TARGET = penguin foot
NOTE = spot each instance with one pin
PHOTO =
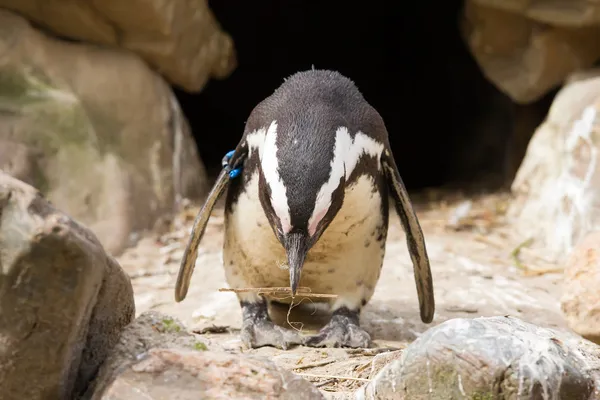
(258, 330)
(343, 330)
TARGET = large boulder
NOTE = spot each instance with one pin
(490, 358)
(63, 300)
(556, 201)
(97, 131)
(157, 359)
(528, 48)
(573, 13)
(580, 301)
(181, 39)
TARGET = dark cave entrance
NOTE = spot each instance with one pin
(447, 123)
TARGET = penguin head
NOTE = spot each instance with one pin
(301, 184)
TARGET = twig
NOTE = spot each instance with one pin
(269, 289)
(302, 293)
(289, 312)
(361, 368)
(467, 310)
(212, 329)
(515, 254)
(315, 364)
(531, 271)
(345, 378)
(370, 352)
(325, 383)
(539, 272)
(487, 240)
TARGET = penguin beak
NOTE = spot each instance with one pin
(296, 247)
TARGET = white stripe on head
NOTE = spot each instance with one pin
(256, 141)
(346, 154)
(343, 142)
(266, 144)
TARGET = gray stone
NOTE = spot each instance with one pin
(94, 129)
(63, 300)
(555, 197)
(157, 359)
(490, 358)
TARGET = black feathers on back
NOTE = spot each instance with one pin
(309, 107)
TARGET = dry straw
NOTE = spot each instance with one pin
(286, 293)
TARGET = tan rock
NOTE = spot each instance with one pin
(179, 38)
(524, 58)
(157, 359)
(95, 130)
(583, 75)
(556, 200)
(580, 301)
(574, 13)
(164, 374)
(63, 300)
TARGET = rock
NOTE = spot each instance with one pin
(181, 39)
(522, 57)
(580, 301)
(490, 358)
(188, 374)
(149, 330)
(95, 130)
(63, 300)
(583, 75)
(573, 13)
(157, 359)
(555, 197)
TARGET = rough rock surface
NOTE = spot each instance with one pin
(181, 39)
(157, 359)
(95, 130)
(63, 300)
(574, 13)
(489, 358)
(556, 201)
(526, 58)
(472, 262)
(580, 301)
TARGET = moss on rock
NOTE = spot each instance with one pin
(200, 346)
(170, 325)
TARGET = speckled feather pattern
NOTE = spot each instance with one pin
(302, 123)
(345, 261)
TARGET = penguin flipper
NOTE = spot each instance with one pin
(186, 269)
(414, 237)
(188, 261)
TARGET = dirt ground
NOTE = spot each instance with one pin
(479, 268)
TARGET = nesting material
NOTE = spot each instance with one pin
(302, 291)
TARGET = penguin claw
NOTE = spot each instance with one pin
(342, 331)
(266, 333)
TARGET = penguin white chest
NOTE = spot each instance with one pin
(346, 260)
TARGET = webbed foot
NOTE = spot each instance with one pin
(258, 330)
(343, 330)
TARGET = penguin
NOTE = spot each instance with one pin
(308, 187)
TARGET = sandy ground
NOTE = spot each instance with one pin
(475, 269)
